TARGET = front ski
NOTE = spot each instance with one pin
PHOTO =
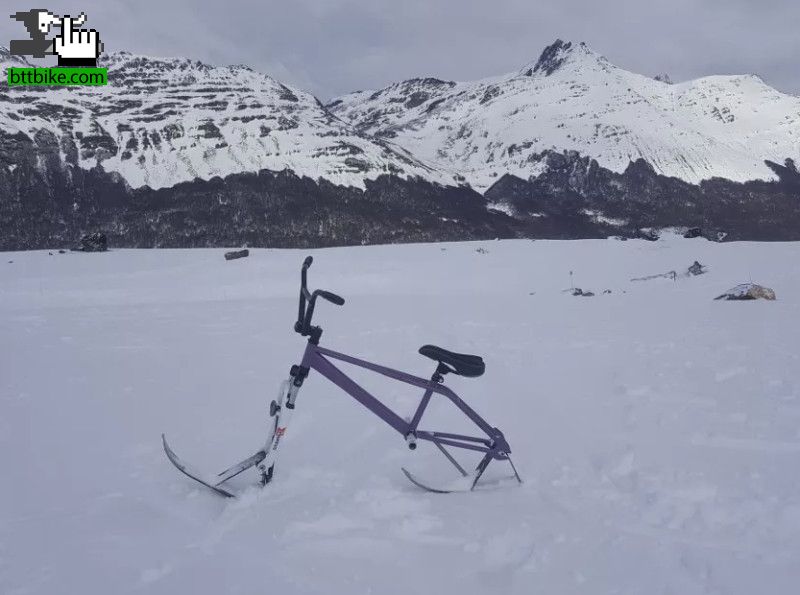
(263, 460)
(189, 472)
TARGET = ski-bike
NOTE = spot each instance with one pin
(492, 446)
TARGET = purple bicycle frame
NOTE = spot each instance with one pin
(494, 445)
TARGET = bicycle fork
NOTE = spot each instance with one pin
(280, 410)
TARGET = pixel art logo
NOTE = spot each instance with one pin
(73, 46)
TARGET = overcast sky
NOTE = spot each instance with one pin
(331, 47)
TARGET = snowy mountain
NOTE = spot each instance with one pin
(573, 99)
(176, 153)
(160, 122)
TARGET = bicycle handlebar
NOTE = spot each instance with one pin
(307, 302)
(331, 297)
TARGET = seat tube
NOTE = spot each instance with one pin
(423, 404)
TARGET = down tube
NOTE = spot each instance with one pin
(340, 379)
(408, 379)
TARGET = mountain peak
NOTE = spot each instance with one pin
(555, 56)
(123, 58)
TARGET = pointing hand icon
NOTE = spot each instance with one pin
(77, 47)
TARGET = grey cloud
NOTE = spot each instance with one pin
(334, 46)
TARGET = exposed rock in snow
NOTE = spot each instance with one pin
(748, 291)
(696, 269)
(694, 232)
(235, 254)
(578, 292)
(553, 57)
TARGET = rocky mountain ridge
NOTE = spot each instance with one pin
(572, 98)
(160, 122)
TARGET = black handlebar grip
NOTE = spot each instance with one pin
(331, 297)
(307, 262)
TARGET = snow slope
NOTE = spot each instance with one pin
(161, 121)
(658, 431)
(572, 98)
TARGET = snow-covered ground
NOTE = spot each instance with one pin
(658, 431)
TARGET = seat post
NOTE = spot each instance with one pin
(438, 375)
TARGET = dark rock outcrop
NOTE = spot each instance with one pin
(748, 291)
(578, 292)
(577, 195)
(47, 200)
(693, 232)
(236, 254)
(551, 59)
(93, 242)
(696, 269)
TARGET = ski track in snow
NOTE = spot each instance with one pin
(657, 430)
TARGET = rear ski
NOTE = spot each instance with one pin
(462, 484)
(468, 482)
